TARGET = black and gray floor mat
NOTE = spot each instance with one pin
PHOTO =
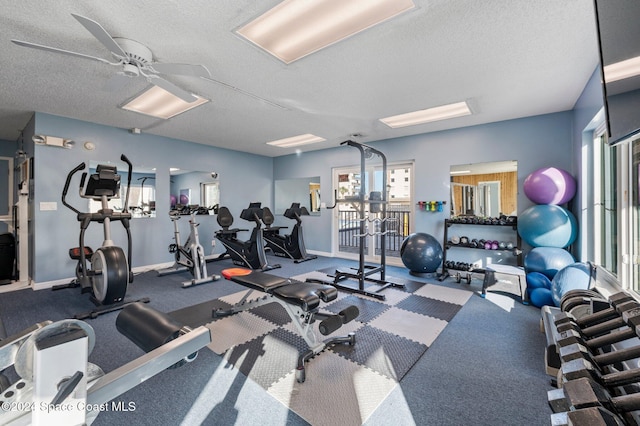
(344, 384)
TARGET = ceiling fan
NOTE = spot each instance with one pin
(134, 60)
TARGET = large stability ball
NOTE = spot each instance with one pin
(540, 297)
(547, 226)
(547, 260)
(550, 185)
(576, 276)
(421, 253)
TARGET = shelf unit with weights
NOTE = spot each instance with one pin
(461, 270)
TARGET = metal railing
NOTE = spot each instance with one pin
(398, 220)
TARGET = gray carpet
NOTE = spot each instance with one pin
(485, 368)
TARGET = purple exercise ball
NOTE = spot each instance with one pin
(550, 185)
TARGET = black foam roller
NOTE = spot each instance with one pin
(349, 314)
(147, 327)
(330, 325)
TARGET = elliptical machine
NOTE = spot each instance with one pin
(291, 245)
(106, 272)
(189, 256)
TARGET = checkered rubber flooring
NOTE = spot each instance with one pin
(344, 384)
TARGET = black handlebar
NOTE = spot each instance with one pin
(130, 167)
(79, 167)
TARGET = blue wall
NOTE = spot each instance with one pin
(546, 140)
(534, 142)
(56, 231)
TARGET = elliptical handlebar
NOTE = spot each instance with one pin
(79, 167)
(124, 158)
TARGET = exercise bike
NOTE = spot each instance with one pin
(106, 272)
(250, 253)
(189, 256)
(291, 245)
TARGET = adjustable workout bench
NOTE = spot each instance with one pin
(301, 301)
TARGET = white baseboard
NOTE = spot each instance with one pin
(320, 253)
(137, 270)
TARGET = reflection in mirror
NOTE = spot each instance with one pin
(142, 196)
(305, 191)
(194, 188)
(484, 189)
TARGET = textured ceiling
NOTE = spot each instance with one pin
(507, 58)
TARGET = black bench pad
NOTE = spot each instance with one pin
(305, 295)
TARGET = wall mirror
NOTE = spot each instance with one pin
(484, 189)
(142, 196)
(194, 188)
(305, 191)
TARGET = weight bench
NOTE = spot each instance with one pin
(301, 300)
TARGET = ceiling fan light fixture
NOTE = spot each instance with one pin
(305, 139)
(443, 112)
(159, 103)
(296, 28)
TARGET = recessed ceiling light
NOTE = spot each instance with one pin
(157, 102)
(297, 141)
(443, 112)
(621, 70)
(295, 28)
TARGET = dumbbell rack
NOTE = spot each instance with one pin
(466, 273)
(593, 341)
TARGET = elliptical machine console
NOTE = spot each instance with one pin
(105, 272)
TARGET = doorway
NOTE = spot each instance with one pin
(347, 183)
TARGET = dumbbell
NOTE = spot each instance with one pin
(592, 416)
(570, 337)
(581, 368)
(625, 314)
(579, 351)
(615, 305)
(584, 393)
(629, 316)
(580, 303)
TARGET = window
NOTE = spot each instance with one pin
(210, 194)
(599, 229)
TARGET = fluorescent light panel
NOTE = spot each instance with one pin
(297, 141)
(159, 103)
(443, 112)
(621, 70)
(460, 172)
(295, 28)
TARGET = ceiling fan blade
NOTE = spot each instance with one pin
(56, 50)
(173, 89)
(101, 34)
(244, 92)
(116, 82)
(181, 69)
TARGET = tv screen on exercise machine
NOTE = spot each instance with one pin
(618, 26)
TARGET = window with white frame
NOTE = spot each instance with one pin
(599, 208)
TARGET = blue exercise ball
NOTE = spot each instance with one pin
(547, 226)
(547, 260)
(540, 297)
(421, 253)
(576, 276)
(537, 280)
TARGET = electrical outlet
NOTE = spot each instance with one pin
(48, 206)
